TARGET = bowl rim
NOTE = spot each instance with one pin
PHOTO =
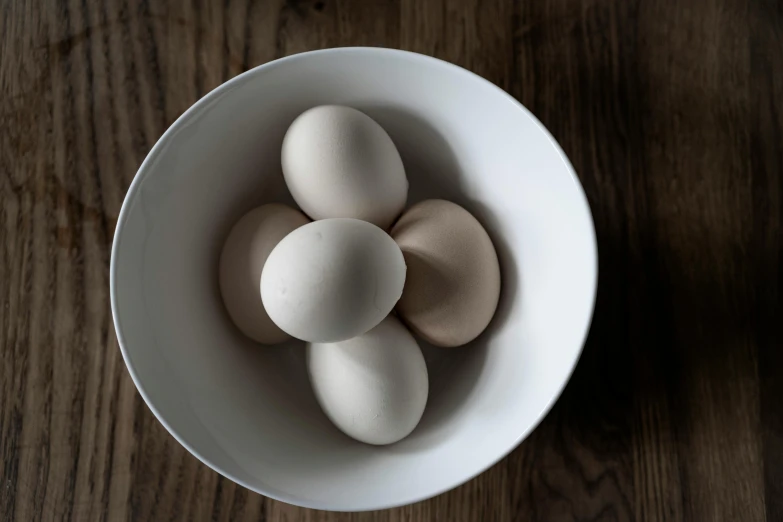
(211, 96)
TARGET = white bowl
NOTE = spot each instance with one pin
(247, 411)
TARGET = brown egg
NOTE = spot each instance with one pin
(244, 253)
(453, 281)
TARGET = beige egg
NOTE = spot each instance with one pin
(453, 282)
(245, 251)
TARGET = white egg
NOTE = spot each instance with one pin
(333, 279)
(338, 162)
(373, 387)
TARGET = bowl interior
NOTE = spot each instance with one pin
(247, 410)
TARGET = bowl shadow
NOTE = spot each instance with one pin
(434, 172)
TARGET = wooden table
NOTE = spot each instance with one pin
(672, 114)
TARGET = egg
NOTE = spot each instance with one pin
(373, 387)
(241, 261)
(338, 162)
(332, 280)
(453, 280)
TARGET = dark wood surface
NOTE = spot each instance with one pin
(672, 114)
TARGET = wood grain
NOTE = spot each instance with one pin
(672, 114)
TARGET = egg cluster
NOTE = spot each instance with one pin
(336, 282)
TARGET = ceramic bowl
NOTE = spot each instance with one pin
(247, 411)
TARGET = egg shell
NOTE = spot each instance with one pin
(373, 387)
(338, 162)
(332, 280)
(453, 281)
(242, 260)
